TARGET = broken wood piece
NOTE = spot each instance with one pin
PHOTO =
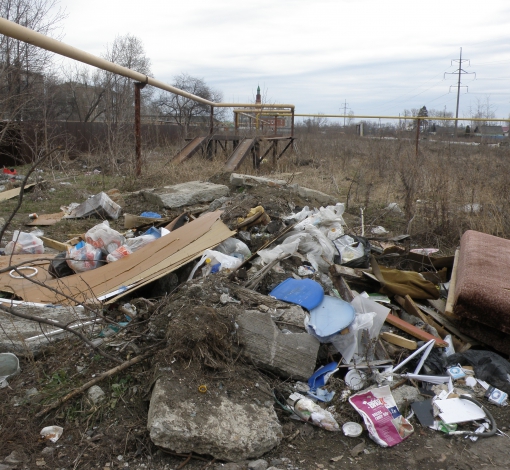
(134, 221)
(348, 273)
(342, 287)
(438, 304)
(94, 381)
(410, 307)
(179, 221)
(56, 245)
(451, 291)
(414, 331)
(399, 341)
(449, 325)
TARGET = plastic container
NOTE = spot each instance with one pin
(352, 429)
(355, 379)
(9, 367)
(24, 243)
(215, 257)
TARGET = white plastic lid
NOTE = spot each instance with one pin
(352, 429)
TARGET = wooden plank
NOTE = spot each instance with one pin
(439, 304)
(56, 245)
(346, 272)
(451, 291)
(343, 288)
(448, 325)
(399, 341)
(46, 219)
(12, 193)
(413, 330)
(410, 307)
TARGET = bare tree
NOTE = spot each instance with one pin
(184, 111)
(22, 65)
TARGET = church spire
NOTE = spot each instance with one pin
(258, 98)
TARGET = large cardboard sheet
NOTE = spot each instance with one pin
(150, 262)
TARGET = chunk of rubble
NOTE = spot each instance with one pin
(185, 194)
(291, 355)
(211, 423)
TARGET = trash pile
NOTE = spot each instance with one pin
(334, 328)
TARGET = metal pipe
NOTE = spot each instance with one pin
(138, 136)
(16, 31)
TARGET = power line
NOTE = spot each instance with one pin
(345, 109)
(460, 71)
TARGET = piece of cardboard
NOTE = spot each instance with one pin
(11, 285)
(148, 263)
(12, 193)
(46, 219)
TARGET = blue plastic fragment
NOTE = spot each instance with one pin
(331, 316)
(320, 377)
(155, 232)
(322, 395)
(153, 215)
(304, 292)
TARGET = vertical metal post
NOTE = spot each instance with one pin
(292, 124)
(138, 137)
(458, 94)
(236, 122)
(211, 121)
(275, 124)
(417, 135)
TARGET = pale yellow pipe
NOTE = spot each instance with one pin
(16, 31)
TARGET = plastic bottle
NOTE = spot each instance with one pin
(211, 266)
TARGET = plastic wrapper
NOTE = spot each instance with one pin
(120, 252)
(24, 243)
(233, 245)
(84, 257)
(285, 249)
(386, 426)
(215, 257)
(310, 411)
(105, 238)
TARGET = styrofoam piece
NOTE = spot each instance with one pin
(331, 316)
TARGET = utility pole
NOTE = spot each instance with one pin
(460, 71)
(345, 109)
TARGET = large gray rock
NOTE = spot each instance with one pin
(288, 355)
(185, 194)
(211, 423)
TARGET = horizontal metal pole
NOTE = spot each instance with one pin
(421, 118)
(16, 31)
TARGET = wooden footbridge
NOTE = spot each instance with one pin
(236, 148)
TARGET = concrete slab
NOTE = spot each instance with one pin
(211, 423)
(185, 194)
(288, 355)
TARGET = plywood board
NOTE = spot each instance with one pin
(56, 245)
(153, 260)
(451, 291)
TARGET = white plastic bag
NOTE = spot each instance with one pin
(103, 237)
(310, 411)
(84, 257)
(24, 243)
(285, 249)
(233, 245)
(225, 261)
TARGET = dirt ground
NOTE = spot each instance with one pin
(113, 433)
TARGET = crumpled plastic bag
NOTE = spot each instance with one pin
(84, 257)
(24, 243)
(103, 237)
(285, 249)
(310, 411)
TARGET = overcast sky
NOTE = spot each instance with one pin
(380, 56)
